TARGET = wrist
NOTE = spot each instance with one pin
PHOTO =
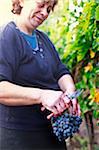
(40, 96)
(70, 93)
(71, 90)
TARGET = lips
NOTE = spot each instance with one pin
(40, 19)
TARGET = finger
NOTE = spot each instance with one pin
(62, 104)
(79, 111)
(74, 103)
(49, 116)
(70, 110)
(54, 110)
(43, 108)
(59, 108)
(67, 101)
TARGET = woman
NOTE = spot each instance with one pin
(33, 81)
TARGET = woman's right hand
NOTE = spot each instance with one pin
(52, 101)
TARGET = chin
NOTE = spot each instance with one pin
(35, 25)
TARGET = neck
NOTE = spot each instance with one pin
(22, 26)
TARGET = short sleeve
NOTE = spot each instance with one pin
(9, 54)
(61, 68)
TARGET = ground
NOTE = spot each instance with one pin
(81, 141)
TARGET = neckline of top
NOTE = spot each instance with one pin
(16, 27)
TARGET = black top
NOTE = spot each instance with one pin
(22, 65)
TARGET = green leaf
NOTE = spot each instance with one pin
(81, 54)
(97, 13)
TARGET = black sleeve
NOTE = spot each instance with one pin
(9, 54)
(61, 68)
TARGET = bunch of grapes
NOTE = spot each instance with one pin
(66, 125)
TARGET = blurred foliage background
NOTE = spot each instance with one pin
(73, 27)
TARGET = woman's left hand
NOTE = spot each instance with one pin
(72, 104)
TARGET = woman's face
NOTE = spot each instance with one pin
(34, 12)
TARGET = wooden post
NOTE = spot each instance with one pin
(90, 128)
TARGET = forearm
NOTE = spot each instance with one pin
(11, 94)
(66, 83)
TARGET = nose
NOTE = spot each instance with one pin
(45, 12)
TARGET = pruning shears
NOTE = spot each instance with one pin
(75, 94)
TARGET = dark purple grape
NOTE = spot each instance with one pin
(66, 125)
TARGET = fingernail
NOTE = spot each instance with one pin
(74, 112)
